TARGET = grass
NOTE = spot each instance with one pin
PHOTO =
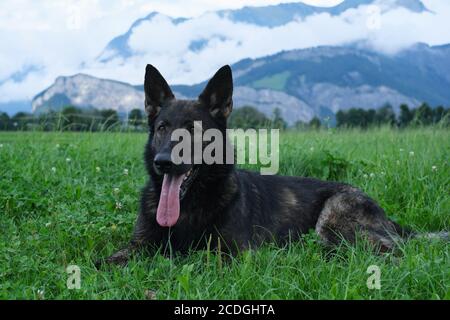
(275, 82)
(65, 199)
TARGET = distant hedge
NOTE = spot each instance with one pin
(71, 118)
(424, 115)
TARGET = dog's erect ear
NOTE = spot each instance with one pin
(218, 94)
(157, 91)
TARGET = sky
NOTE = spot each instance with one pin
(64, 37)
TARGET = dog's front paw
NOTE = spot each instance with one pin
(119, 258)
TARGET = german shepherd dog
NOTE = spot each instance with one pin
(187, 206)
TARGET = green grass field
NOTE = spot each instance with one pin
(70, 198)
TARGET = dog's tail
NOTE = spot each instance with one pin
(407, 233)
(441, 235)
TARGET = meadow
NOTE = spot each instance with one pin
(71, 198)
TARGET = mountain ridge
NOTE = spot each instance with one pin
(302, 83)
(266, 16)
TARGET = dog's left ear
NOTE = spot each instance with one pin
(218, 94)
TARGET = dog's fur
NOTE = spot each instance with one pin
(238, 209)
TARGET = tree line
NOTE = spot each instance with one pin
(71, 118)
(424, 115)
(249, 117)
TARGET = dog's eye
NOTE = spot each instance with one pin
(161, 128)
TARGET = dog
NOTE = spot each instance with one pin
(197, 206)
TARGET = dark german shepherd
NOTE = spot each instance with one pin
(192, 206)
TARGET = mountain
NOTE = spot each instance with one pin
(302, 83)
(119, 45)
(265, 16)
(328, 79)
(277, 15)
(419, 72)
(86, 91)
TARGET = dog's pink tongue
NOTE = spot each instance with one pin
(169, 201)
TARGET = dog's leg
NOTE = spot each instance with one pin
(122, 256)
(119, 258)
(146, 237)
(348, 213)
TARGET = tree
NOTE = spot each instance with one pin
(357, 118)
(109, 118)
(438, 114)
(48, 121)
(277, 120)
(248, 117)
(5, 121)
(369, 117)
(135, 117)
(300, 125)
(385, 115)
(22, 120)
(423, 115)
(72, 119)
(315, 123)
(406, 115)
(445, 120)
(341, 118)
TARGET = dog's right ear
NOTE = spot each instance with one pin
(157, 91)
(218, 94)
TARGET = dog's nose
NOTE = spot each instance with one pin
(163, 162)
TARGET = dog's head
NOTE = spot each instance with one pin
(167, 114)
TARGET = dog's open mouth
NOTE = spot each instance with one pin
(173, 190)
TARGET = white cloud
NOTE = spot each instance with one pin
(58, 36)
(166, 45)
(55, 36)
(401, 28)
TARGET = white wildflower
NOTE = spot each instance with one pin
(125, 172)
(118, 205)
(68, 159)
(97, 169)
(433, 168)
(53, 169)
(40, 293)
(116, 190)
